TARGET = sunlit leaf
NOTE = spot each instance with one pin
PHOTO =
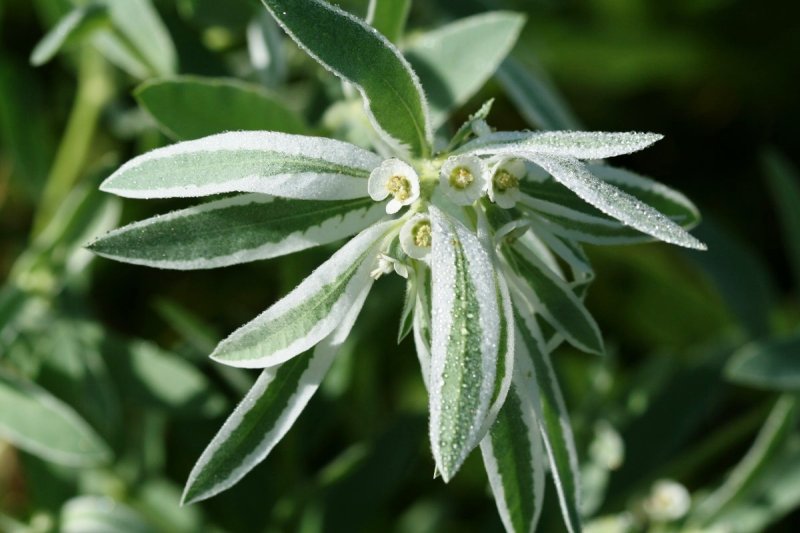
(389, 17)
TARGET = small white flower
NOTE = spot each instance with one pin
(386, 264)
(504, 185)
(463, 179)
(668, 501)
(416, 235)
(396, 178)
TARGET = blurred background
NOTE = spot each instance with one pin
(699, 385)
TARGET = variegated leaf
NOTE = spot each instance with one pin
(310, 312)
(291, 166)
(236, 230)
(514, 461)
(266, 414)
(577, 144)
(537, 381)
(464, 344)
(393, 96)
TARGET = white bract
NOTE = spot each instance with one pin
(481, 245)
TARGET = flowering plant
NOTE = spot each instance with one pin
(478, 226)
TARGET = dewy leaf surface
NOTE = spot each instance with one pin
(537, 380)
(236, 230)
(577, 144)
(291, 166)
(613, 201)
(266, 414)
(308, 313)
(39, 423)
(454, 61)
(354, 51)
(514, 460)
(465, 342)
(189, 107)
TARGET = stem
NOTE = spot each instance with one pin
(94, 90)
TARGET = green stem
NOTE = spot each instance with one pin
(94, 90)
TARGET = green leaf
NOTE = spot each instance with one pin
(465, 342)
(409, 303)
(389, 17)
(236, 230)
(454, 61)
(537, 379)
(311, 311)
(43, 425)
(422, 326)
(554, 299)
(535, 97)
(265, 44)
(280, 164)
(772, 364)
(265, 415)
(514, 461)
(189, 107)
(138, 23)
(70, 28)
(784, 183)
(561, 144)
(615, 202)
(95, 514)
(352, 50)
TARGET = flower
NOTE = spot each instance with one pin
(396, 178)
(416, 237)
(463, 179)
(503, 188)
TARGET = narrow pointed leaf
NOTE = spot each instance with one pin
(454, 61)
(292, 166)
(535, 97)
(265, 44)
(141, 29)
(464, 346)
(393, 96)
(95, 514)
(615, 202)
(513, 457)
(266, 414)
(784, 184)
(389, 17)
(554, 299)
(538, 381)
(577, 144)
(422, 327)
(409, 303)
(71, 27)
(310, 312)
(773, 364)
(189, 107)
(236, 230)
(41, 424)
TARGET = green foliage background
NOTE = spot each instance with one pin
(717, 77)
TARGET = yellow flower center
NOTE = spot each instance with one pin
(461, 178)
(504, 180)
(422, 234)
(399, 187)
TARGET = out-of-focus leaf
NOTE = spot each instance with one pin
(392, 93)
(73, 26)
(772, 364)
(454, 61)
(43, 425)
(266, 49)
(190, 107)
(97, 514)
(142, 28)
(389, 17)
(784, 183)
(159, 500)
(535, 97)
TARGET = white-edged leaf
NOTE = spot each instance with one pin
(553, 299)
(409, 304)
(513, 457)
(535, 97)
(422, 327)
(614, 202)
(454, 61)
(355, 52)
(577, 144)
(464, 345)
(41, 424)
(569, 251)
(266, 414)
(537, 380)
(236, 230)
(74, 24)
(280, 164)
(310, 312)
